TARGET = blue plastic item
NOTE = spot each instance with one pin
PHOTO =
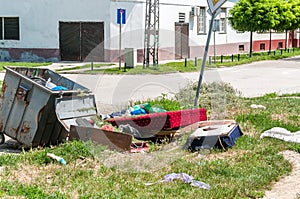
(137, 110)
(59, 88)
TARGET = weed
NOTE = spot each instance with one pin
(87, 66)
(23, 64)
(216, 97)
(295, 147)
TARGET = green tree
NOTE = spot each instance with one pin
(289, 16)
(254, 15)
(296, 11)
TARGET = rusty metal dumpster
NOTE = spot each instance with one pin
(38, 107)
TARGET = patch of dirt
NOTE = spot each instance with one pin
(281, 117)
(225, 155)
(287, 187)
(142, 162)
(28, 174)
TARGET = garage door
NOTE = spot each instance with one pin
(181, 40)
(81, 41)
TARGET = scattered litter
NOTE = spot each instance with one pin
(107, 127)
(59, 88)
(49, 84)
(282, 134)
(139, 147)
(118, 114)
(137, 110)
(183, 177)
(257, 106)
(145, 109)
(127, 128)
(57, 158)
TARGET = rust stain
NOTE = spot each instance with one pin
(1, 126)
(25, 127)
(4, 86)
(20, 94)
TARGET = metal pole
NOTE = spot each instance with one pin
(120, 40)
(214, 47)
(214, 42)
(204, 59)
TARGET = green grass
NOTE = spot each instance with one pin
(189, 66)
(244, 171)
(87, 66)
(170, 67)
(256, 56)
(134, 71)
(23, 64)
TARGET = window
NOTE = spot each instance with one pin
(280, 45)
(223, 20)
(241, 47)
(262, 46)
(1, 32)
(9, 28)
(202, 20)
(181, 17)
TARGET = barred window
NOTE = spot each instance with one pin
(202, 20)
(10, 29)
(223, 20)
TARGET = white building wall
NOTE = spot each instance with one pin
(169, 14)
(39, 20)
(39, 24)
(133, 30)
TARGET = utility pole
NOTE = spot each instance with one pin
(151, 39)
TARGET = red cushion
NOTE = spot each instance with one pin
(162, 121)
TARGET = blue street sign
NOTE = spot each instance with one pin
(121, 16)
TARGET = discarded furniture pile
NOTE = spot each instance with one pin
(39, 107)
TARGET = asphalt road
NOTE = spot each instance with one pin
(255, 79)
(113, 92)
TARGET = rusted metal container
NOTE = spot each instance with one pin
(35, 114)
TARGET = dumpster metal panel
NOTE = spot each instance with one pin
(27, 107)
(113, 140)
(21, 119)
(6, 100)
(76, 106)
(69, 109)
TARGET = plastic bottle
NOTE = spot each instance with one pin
(57, 158)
